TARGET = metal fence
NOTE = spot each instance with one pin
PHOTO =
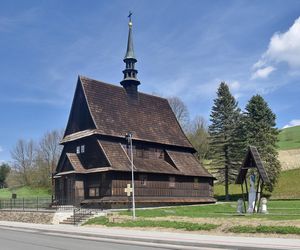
(26, 204)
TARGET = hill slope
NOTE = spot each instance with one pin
(286, 188)
(289, 138)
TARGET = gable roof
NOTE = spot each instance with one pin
(187, 163)
(113, 113)
(181, 163)
(252, 160)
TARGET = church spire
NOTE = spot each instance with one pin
(130, 81)
(130, 51)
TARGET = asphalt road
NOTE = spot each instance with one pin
(35, 240)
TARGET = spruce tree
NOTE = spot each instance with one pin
(224, 119)
(260, 131)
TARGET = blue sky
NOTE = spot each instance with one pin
(184, 48)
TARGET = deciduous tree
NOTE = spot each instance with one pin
(181, 111)
(23, 156)
(199, 137)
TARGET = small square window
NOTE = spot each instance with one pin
(172, 181)
(82, 148)
(78, 150)
(143, 179)
(93, 192)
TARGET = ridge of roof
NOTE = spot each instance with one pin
(118, 87)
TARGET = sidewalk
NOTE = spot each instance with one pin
(184, 239)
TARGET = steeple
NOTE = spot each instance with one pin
(130, 81)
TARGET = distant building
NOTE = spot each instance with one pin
(95, 165)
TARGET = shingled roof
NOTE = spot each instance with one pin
(252, 160)
(150, 118)
(182, 163)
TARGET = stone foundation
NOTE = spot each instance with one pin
(30, 217)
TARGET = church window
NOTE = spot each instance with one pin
(143, 179)
(93, 191)
(172, 181)
(82, 149)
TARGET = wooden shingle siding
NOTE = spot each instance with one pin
(184, 187)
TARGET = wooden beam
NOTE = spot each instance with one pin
(244, 201)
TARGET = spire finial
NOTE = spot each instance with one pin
(130, 51)
(129, 16)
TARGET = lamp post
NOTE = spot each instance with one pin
(129, 139)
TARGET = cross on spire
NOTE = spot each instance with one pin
(129, 16)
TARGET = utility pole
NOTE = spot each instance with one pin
(129, 139)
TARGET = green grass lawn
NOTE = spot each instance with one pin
(278, 210)
(265, 229)
(188, 226)
(282, 218)
(25, 192)
(289, 138)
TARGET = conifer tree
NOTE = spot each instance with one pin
(260, 131)
(224, 119)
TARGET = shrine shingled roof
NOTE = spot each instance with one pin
(252, 160)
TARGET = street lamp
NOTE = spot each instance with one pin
(128, 136)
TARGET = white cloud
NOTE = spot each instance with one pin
(234, 86)
(263, 72)
(283, 48)
(292, 123)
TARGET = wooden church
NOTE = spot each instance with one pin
(95, 164)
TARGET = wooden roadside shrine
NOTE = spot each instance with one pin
(252, 161)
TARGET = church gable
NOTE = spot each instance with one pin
(150, 118)
(65, 165)
(80, 117)
(93, 156)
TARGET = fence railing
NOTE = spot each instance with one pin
(79, 214)
(26, 204)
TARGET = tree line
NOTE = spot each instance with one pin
(34, 162)
(223, 144)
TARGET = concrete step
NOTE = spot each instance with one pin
(77, 219)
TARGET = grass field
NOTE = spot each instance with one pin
(278, 210)
(188, 226)
(283, 218)
(286, 188)
(25, 192)
(289, 138)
